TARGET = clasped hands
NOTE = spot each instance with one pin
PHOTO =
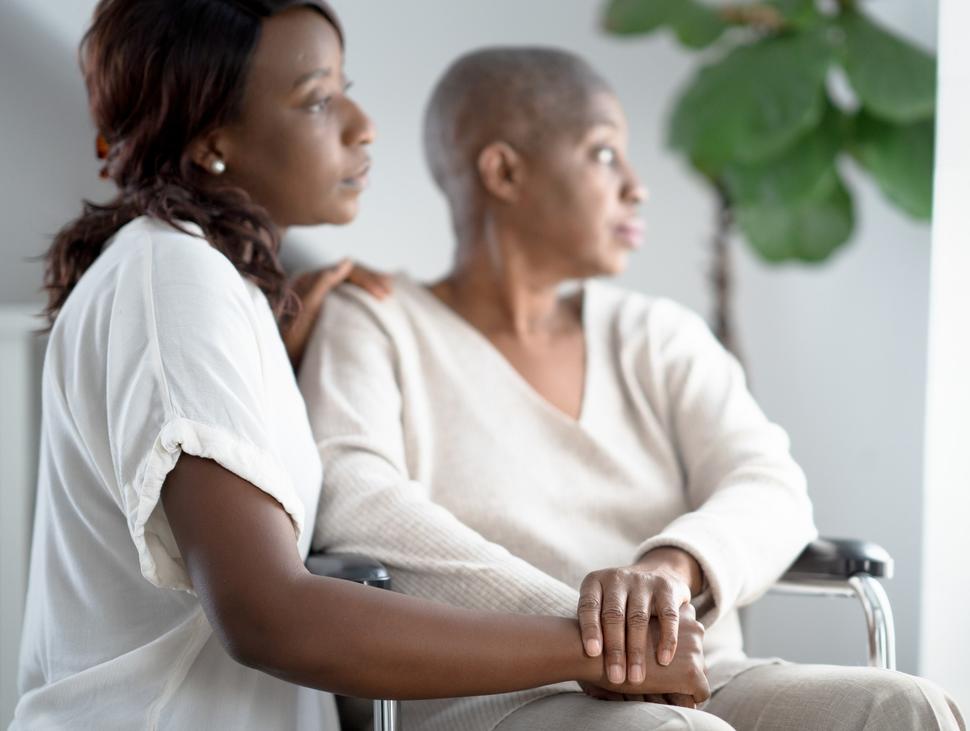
(639, 619)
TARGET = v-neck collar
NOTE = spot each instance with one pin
(461, 324)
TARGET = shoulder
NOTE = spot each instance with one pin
(350, 307)
(182, 257)
(173, 283)
(637, 318)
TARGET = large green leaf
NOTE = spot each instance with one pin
(893, 78)
(806, 231)
(900, 158)
(634, 17)
(754, 102)
(697, 25)
(794, 174)
(797, 12)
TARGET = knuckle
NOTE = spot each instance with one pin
(613, 615)
(638, 618)
(669, 613)
(589, 604)
(615, 655)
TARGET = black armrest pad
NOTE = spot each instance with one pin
(362, 569)
(841, 558)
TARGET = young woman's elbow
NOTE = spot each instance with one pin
(250, 630)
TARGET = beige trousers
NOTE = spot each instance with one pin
(786, 697)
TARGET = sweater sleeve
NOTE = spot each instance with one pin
(370, 503)
(750, 515)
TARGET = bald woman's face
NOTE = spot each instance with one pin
(577, 211)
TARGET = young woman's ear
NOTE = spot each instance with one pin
(501, 170)
(210, 152)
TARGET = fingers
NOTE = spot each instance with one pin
(603, 694)
(378, 285)
(313, 287)
(668, 612)
(588, 612)
(637, 622)
(613, 619)
(331, 277)
(681, 699)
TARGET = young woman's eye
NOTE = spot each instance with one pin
(318, 105)
(606, 155)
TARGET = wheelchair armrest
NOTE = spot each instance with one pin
(839, 558)
(349, 566)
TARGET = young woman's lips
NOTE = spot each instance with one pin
(357, 181)
(631, 233)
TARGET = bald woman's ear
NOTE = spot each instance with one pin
(502, 171)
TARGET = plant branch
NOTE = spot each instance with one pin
(758, 16)
(721, 274)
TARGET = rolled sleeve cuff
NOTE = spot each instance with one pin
(158, 555)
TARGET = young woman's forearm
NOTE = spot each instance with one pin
(271, 613)
(370, 643)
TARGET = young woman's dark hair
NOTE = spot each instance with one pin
(160, 73)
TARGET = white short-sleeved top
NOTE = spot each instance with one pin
(161, 348)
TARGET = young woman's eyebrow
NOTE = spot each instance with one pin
(311, 75)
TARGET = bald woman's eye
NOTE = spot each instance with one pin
(605, 155)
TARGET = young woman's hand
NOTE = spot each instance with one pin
(313, 287)
(682, 682)
(615, 607)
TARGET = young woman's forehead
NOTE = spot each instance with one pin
(293, 45)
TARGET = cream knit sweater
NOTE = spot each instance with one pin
(442, 462)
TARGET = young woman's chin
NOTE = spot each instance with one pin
(339, 215)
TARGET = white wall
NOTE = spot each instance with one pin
(945, 635)
(47, 161)
(837, 353)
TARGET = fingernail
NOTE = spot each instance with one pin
(592, 648)
(636, 674)
(665, 657)
(615, 674)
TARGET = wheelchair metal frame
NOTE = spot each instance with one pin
(827, 567)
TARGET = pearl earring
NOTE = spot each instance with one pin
(218, 167)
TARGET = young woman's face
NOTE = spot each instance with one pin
(299, 146)
(579, 211)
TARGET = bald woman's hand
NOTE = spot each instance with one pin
(617, 605)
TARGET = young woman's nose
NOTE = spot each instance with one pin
(359, 129)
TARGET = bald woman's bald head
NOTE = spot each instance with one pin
(525, 97)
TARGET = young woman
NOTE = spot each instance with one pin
(179, 479)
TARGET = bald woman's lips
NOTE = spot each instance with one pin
(357, 181)
(631, 233)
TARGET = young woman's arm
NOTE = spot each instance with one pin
(272, 614)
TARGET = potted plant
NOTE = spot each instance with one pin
(785, 91)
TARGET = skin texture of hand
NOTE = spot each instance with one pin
(615, 607)
(313, 287)
(681, 683)
(270, 613)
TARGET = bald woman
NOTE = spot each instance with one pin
(521, 436)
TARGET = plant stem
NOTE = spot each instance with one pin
(755, 15)
(721, 275)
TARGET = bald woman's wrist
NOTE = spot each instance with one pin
(678, 561)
